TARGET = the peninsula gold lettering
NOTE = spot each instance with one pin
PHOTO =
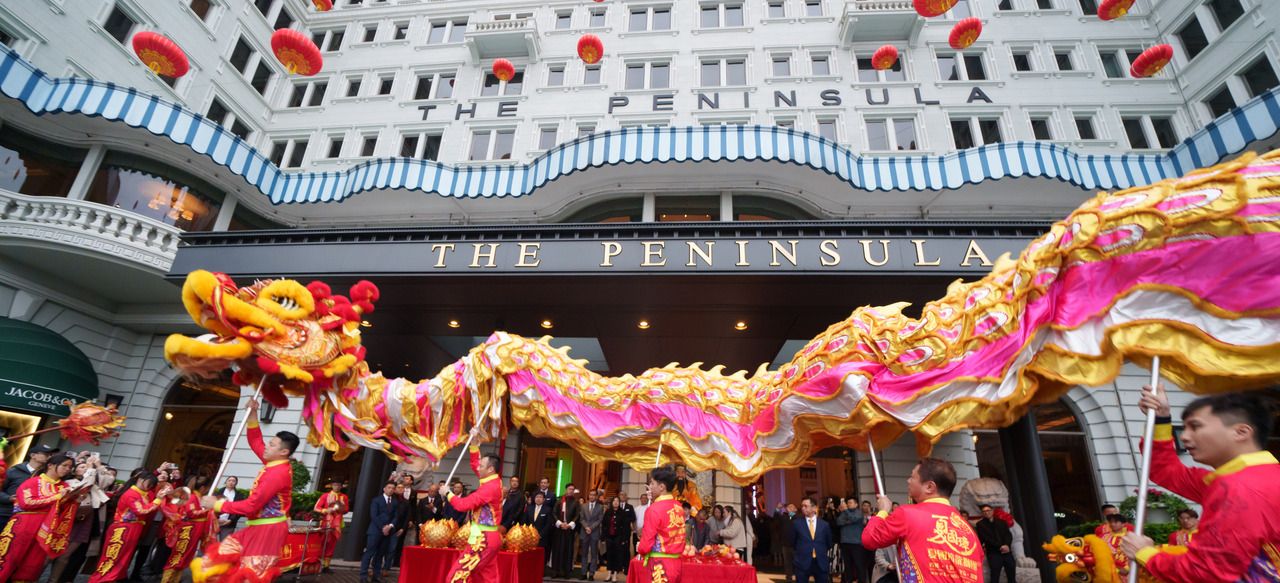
(529, 255)
(704, 254)
(830, 253)
(488, 255)
(653, 253)
(439, 249)
(920, 260)
(777, 249)
(611, 250)
(975, 252)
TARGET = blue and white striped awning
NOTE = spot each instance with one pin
(1229, 134)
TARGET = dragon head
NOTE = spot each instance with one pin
(1090, 559)
(288, 336)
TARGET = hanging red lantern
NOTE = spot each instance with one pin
(590, 48)
(932, 8)
(1113, 9)
(322, 5)
(160, 54)
(503, 70)
(965, 33)
(296, 52)
(1151, 61)
(884, 58)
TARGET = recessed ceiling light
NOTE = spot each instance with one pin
(547, 324)
(643, 325)
(741, 325)
(454, 324)
(168, 416)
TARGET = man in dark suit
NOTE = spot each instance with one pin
(227, 522)
(788, 518)
(813, 540)
(539, 515)
(566, 524)
(513, 506)
(452, 513)
(382, 527)
(592, 516)
(19, 473)
(544, 486)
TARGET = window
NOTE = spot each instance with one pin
(35, 167)
(1111, 64)
(353, 86)
(827, 129)
(1022, 60)
(263, 6)
(119, 25)
(1259, 77)
(241, 55)
(261, 77)
(401, 31)
(781, 66)
(385, 83)
(1146, 132)
(555, 76)
(961, 66)
(972, 132)
(492, 144)
(821, 65)
(155, 190)
(586, 129)
(421, 146)
(335, 147)
(1162, 128)
(368, 145)
(447, 31)
(1191, 35)
(1085, 127)
(329, 40)
(1089, 7)
(650, 19)
(283, 20)
(1062, 57)
(6, 39)
(785, 122)
(1040, 129)
(720, 15)
(597, 17)
(1221, 102)
(202, 8)
(960, 10)
(891, 134)
(723, 72)
(434, 86)
(681, 209)
(494, 86)
(1136, 134)
(1225, 12)
(310, 93)
(1044, 4)
(648, 76)
(868, 74)
(370, 33)
(591, 75)
(777, 9)
(547, 137)
(217, 113)
(288, 153)
(813, 8)
(1004, 5)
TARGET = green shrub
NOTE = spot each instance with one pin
(1159, 532)
(301, 475)
(1079, 530)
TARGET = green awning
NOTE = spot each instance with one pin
(42, 372)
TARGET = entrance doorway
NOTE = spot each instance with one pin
(195, 422)
(554, 460)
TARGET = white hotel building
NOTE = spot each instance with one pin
(733, 120)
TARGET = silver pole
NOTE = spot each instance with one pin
(1144, 479)
(875, 471)
(235, 441)
(449, 481)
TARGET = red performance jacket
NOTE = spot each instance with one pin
(935, 543)
(485, 504)
(663, 530)
(270, 496)
(1240, 526)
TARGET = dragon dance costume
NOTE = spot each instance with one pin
(479, 559)
(133, 513)
(39, 530)
(935, 543)
(662, 540)
(336, 505)
(252, 554)
(1239, 528)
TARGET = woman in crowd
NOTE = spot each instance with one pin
(734, 533)
(91, 473)
(133, 513)
(187, 526)
(45, 495)
(617, 534)
(716, 523)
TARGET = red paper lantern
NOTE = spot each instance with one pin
(296, 52)
(884, 58)
(965, 33)
(1151, 61)
(322, 5)
(503, 70)
(590, 48)
(1113, 9)
(931, 8)
(160, 54)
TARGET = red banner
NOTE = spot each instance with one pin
(302, 547)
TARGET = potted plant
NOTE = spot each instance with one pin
(1161, 506)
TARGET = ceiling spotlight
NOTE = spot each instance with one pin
(454, 324)
(547, 324)
(643, 325)
(740, 325)
(168, 416)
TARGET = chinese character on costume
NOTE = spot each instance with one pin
(935, 543)
(479, 559)
(662, 538)
(187, 526)
(333, 505)
(133, 514)
(44, 510)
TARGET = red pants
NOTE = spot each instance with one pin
(183, 549)
(254, 552)
(21, 558)
(478, 562)
(331, 543)
(117, 551)
(661, 571)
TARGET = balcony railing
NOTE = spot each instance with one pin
(879, 20)
(117, 234)
(517, 38)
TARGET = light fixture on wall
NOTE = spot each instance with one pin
(267, 412)
(113, 401)
(168, 415)
(740, 325)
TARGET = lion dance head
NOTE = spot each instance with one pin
(1090, 559)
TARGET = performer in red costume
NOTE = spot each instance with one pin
(662, 538)
(252, 554)
(188, 526)
(133, 514)
(333, 505)
(40, 527)
(479, 560)
(935, 543)
(1239, 534)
